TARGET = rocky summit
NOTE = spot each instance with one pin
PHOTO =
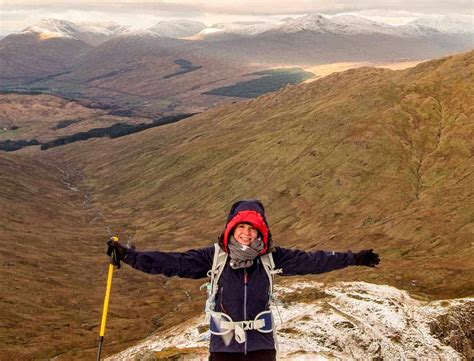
(343, 321)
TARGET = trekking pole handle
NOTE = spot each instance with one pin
(106, 304)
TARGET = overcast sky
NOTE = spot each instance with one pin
(15, 15)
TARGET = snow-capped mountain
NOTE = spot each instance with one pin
(92, 33)
(310, 22)
(350, 25)
(346, 25)
(314, 23)
(235, 29)
(177, 28)
(50, 47)
(311, 39)
(172, 29)
(353, 25)
(444, 24)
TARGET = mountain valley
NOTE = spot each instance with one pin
(365, 158)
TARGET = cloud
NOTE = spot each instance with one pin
(241, 7)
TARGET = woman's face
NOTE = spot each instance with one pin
(245, 234)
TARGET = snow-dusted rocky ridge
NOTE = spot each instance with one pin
(177, 28)
(346, 25)
(342, 25)
(92, 33)
(346, 321)
(445, 24)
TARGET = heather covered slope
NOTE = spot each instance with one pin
(24, 57)
(47, 117)
(53, 268)
(44, 231)
(365, 158)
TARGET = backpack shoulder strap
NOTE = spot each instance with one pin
(218, 263)
(269, 265)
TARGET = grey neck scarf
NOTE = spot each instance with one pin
(242, 256)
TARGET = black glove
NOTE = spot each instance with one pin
(117, 252)
(367, 258)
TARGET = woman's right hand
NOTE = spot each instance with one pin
(116, 252)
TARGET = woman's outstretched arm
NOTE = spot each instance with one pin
(190, 264)
(297, 262)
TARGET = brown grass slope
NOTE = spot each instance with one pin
(365, 158)
(135, 72)
(42, 230)
(47, 117)
(53, 269)
(26, 56)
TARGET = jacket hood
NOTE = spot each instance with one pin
(247, 211)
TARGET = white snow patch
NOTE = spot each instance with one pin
(211, 30)
(354, 320)
(177, 28)
(49, 28)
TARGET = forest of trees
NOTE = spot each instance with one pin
(114, 131)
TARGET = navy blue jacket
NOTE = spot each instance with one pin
(230, 298)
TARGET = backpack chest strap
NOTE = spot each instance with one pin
(222, 324)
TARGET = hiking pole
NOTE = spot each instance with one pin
(106, 301)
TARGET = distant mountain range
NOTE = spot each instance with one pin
(342, 25)
(131, 68)
(95, 33)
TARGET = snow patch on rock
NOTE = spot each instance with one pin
(354, 320)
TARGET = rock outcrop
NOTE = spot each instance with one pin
(354, 320)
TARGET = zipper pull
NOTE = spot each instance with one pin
(246, 277)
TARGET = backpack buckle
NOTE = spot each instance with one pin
(247, 325)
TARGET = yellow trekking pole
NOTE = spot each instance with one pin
(106, 299)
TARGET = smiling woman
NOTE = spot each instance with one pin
(241, 266)
(245, 234)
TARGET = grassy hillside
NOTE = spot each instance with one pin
(47, 117)
(364, 158)
(54, 269)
